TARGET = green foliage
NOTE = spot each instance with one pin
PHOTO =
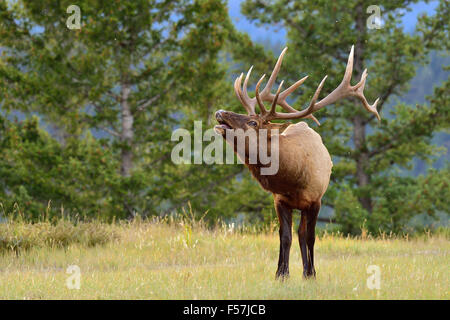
(349, 214)
(405, 197)
(109, 95)
(126, 74)
(366, 183)
(79, 176)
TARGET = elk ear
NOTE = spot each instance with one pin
(280, 126)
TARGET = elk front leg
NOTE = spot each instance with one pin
(285, 218)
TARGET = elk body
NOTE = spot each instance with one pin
(305, 165)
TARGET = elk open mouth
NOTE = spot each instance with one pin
(222, 126)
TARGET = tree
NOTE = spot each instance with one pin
(136, 70)
(365, 153)
(120, 73)
(207, 88)
(41, 176)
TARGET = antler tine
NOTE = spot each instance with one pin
(258, 98)
(316, 94)
(246, 103)
(349, 68)
(265, 94)
(274, 102)
(250, 101)
(236, 89)
(283, 95)
(292, 88)
(359, 89)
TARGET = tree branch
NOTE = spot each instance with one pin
(153, 99)
(100, 109)
(110, 131)
(147, 103)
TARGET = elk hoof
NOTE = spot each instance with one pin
(282, 276)
(282, 273)
(311, 274)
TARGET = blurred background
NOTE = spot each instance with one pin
(88, 109)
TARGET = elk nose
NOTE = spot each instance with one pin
(219, 114)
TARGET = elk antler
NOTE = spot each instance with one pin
(266, 95)
(345, 89)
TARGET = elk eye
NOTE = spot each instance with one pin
(252, 123)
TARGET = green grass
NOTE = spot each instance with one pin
(143, 260)
(19, 236)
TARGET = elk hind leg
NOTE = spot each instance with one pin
(302, 242)
(311, 216)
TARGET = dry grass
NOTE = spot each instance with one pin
(143, 260)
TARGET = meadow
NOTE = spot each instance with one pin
(161, 260)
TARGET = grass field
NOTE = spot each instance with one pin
(143, 260)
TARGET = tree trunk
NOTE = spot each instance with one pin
(127, 132)
(362, 160)
(359, 125)
(126, 138)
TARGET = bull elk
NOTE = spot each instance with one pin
(304, 162)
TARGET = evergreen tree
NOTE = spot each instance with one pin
(366, 154)
(111, 93)
(120, 74)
